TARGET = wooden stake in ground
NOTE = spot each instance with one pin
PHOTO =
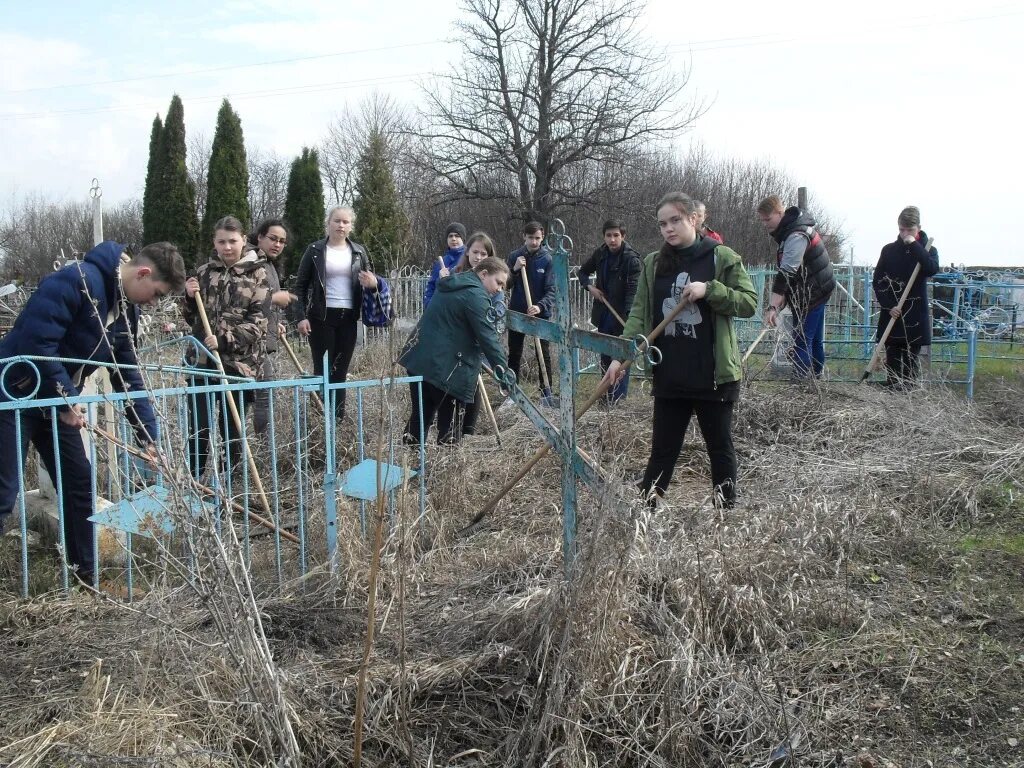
(875, 363)
(541, 452)
(234, 411)
(545, 382)
(371, 604)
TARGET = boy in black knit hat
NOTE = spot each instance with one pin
(455, 239)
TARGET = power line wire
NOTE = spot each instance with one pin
(225, 68)
(302, 89)
(238, 96)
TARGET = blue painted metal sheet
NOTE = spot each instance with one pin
(361, 481)
(147, 512)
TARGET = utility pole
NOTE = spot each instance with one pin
(96, 193)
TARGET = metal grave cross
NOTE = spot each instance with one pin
(564, 333)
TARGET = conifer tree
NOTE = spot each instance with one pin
(175, 216)
(303, 208)
(381, 224)
(228, 177)
(153, 173)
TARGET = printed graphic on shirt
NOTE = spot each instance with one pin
(686, 322)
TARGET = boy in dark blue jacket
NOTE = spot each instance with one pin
(86, 311)
(535, 258)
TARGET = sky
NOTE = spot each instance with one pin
(872, 106)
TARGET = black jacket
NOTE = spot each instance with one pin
(895, 265)
(311, 283)
(617, 278)
(813, 282)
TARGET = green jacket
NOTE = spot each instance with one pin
(731, 294)
(453, 336)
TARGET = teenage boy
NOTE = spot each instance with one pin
(617, 268)
(535, 258)
(913, 327)
(701, 213)
(804, 281)
(87, 311)
(455, 242)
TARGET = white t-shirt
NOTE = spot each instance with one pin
(339, 276)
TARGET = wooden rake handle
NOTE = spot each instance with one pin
(752, 347)
(233, 409)
(873, 363)
(618, 318)
(298, 367)
(545, 381)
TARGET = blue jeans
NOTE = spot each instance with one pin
(618, 392)
(809, 343)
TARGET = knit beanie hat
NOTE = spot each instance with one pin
(910, 217)
(456, 228)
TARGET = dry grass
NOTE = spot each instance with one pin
(835, 608)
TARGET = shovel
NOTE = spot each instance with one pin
(546, 397)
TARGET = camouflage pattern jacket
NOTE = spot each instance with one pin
(237, 301)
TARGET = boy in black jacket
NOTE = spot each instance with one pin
(617, 268)
(913, 327)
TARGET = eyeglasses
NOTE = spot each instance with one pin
(276, 239)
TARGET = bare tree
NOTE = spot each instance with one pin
(35, 231)
(545, 86)
(197, 160)
(347, 137)
(268, 184)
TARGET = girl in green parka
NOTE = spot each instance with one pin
(699, 372)
(449, 344)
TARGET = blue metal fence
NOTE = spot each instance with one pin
(305, 473)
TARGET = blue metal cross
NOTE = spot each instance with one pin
(562, 332)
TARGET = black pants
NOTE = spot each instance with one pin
(902, 364)
(202, 410)
(75, 484)
(671, 419)
(515, 353)
(433, 400)
(335, 335)
(456, 418)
